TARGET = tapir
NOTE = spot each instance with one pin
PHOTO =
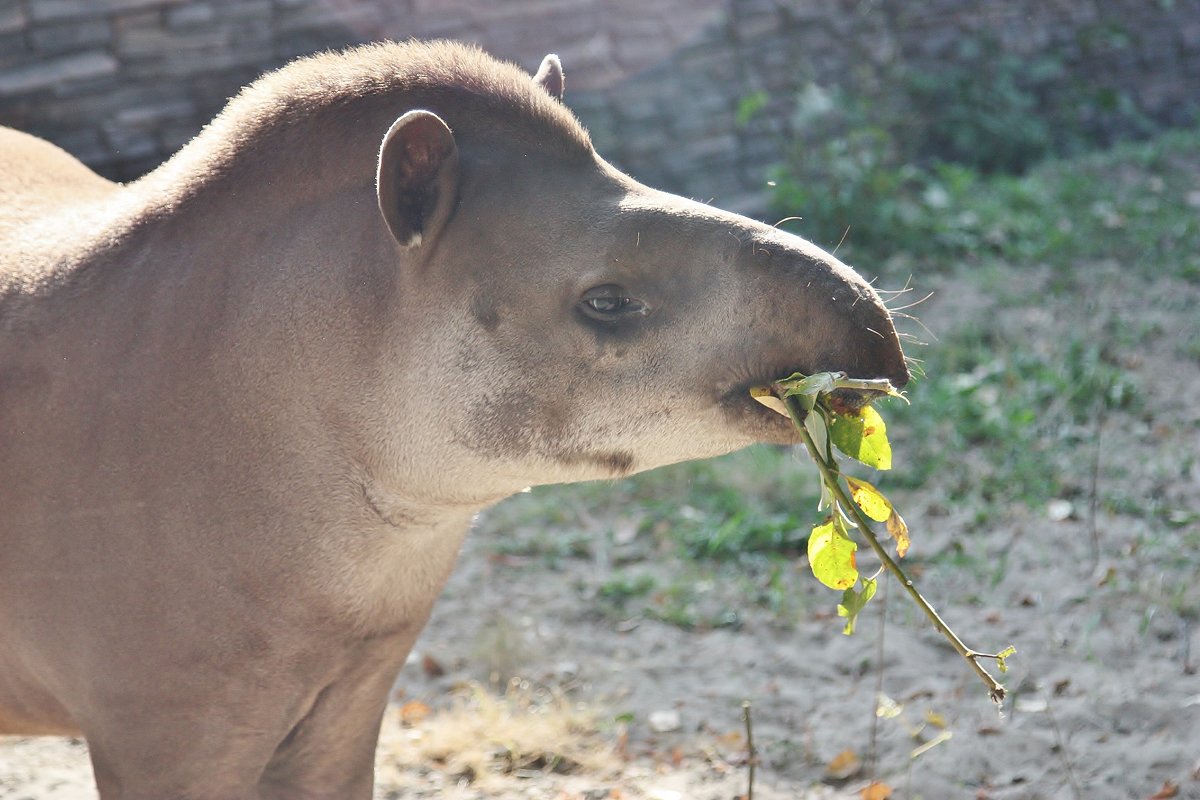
(251, 401)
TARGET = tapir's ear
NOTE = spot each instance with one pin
(550, 76)
(417, 179)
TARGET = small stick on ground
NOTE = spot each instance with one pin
(872, 753)
(751, 756)
(1094, 490)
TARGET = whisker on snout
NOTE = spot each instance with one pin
(845, 233)
(905, 289)
(911, 339)
(924, 327)
(912, 304)
(916, 367)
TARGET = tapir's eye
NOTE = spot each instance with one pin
(610, 303)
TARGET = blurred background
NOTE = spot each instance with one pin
(1021, 178)
(697, 97)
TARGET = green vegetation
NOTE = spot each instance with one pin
(980, 159)
(1135, 203)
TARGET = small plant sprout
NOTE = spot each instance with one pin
(820, 407)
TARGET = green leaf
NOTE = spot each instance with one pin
(831, 555)
(814, 423)
(853, 603)
(863, 437)
(870, 500)
(1007, 652)
(811, 385)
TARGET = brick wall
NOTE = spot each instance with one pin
(123, 83)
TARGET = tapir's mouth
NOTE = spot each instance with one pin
(769, 425)
(764, 424)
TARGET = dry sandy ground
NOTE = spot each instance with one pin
(1105, 694)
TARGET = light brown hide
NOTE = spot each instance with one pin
(250, 403)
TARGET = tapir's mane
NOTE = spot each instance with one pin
(479, 96)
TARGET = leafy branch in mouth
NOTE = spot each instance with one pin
(824, 423)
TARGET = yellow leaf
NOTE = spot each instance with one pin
(844, 765)
(935, 719)
(870, 499)
(898, 528)
(831, 556)
(875, 791)
(862, 436)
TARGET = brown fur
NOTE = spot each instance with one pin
(250, 402)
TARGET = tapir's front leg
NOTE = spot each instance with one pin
(330, 754)
(301, 724)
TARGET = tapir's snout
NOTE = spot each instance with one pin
(877, 352)
(832, 320)
(813, 314)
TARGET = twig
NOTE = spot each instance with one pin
(1062, 752)
(1094, 491)
(751, 756)
(830, 476)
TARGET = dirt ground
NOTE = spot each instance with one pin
(1100, 599)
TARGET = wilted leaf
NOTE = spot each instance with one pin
(853, 602)
(815, 425)
(875, 791)
(898, 528)
(870, 499)
(1169, 789)
(886, 707)
(863, 437)
(845, 764)
(414, 711)
(831, 556)
(768, 398)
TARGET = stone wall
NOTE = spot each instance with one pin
(123, 83)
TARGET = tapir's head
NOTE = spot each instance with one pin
(581, 325)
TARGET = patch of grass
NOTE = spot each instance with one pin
(700, 595)
(1136, 204)
(727, 534)
(746, 504)
(1022, 410)
(623, 587)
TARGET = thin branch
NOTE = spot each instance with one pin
(831, 477)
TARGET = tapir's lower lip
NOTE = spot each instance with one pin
(761, 422)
